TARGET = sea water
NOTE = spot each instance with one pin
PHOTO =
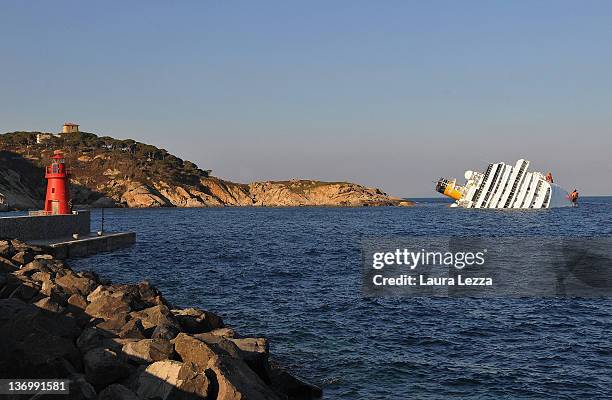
(293, 276)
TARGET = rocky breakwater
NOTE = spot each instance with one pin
(117, 341)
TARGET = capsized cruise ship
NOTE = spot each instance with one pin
(505, 186)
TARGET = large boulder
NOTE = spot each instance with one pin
(7, 265)
(150, 294)
(194, 320)
(290, 386)
(104, 366)
(165, 331)
(155, 316)
(165, 380)
(25, 290)
(44, 355)
(18, 319)
(117, 392)
(6, 248)
(50, 289)
(80, 389)
(223, 332)
(193, 350)
(114, 325)
(41, 276)
(11, 282)
(34, 342)
(253, 351)
(148, 350)
(94, 337)
(32, 267)
(77, 302)
(75, 284)
(234, 379)
(133, 329)
(107, 304)
(47, 303)
(23, 257)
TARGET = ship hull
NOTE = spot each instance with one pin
(504, 186)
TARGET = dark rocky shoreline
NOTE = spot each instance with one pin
(118, 341)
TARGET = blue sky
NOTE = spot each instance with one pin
(391, 94)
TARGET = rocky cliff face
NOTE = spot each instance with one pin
(19, 183)
(217, 192)
(107, 172)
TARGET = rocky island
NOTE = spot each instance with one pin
(124, 342)
(126, 173)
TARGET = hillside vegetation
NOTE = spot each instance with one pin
(111, 172)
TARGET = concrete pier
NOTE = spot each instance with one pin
(86, 245)
(65, 236)
(43, 227)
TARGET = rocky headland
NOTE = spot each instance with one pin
(109, 172)
(124, 342)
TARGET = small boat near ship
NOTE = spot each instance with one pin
(504, 186)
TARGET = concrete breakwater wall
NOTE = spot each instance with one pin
(118, 341)
(89, 244)
(45, 227)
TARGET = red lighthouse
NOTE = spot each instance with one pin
(58, 196)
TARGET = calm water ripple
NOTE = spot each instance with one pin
(293, 275)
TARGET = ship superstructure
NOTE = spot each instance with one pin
(505, 186)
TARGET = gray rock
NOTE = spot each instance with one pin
(165, 331)
(224, 332)
(45, 355)
(32, 267)
(11, 282)
(26, 290)
(23, 257)
(150, 294)
(253, 351)
(107, 305)
(104, 366)
(80, 389)
(92, 338)
(154, 316)
(169, 379)
(194, 320)
(193, 350)
(148, 350)
(50, 289)
(133, 329)
(46, 303)
(234, 378)
(40, 276)
(117, 392)
(114, 325)
(6, 248)
(72, 283)
(7, 265)
(77, 301)
(291, 386)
